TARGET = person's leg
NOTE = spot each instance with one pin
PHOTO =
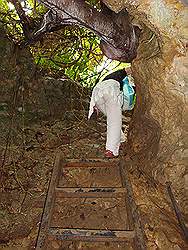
(114, 124)
(101, 105)
(115, 135)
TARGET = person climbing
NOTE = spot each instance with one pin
(114, 94)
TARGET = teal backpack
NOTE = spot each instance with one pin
(129, 95)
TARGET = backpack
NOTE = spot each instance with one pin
(129, 95)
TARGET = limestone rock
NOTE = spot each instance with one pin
(158, 135)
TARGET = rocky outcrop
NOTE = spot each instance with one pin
(17, 71)
(25, 91)
(158, 136)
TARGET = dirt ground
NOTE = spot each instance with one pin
(28, 161)
(28, 152)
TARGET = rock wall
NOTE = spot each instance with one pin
(17, 72)
(158, 136)
(24, 91)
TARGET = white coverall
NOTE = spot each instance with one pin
(108, 98)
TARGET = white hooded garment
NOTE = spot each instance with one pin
(108, 98)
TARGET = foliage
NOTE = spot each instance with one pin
(72, 51)
(94, 3)
(10, 19)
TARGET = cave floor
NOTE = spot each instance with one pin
(27, 168)
(87, 200)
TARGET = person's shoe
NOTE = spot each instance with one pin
(109, 154)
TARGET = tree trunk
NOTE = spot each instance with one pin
(119, 38)
(27, 27)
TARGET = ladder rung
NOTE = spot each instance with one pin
(94, 164)
(91, 234)
(90, 192)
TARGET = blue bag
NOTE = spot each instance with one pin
(129, 95)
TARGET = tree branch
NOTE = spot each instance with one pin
(119, 38)
(23, 18)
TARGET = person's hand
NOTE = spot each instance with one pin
(96, 111)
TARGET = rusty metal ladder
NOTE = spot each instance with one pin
(52, 228)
